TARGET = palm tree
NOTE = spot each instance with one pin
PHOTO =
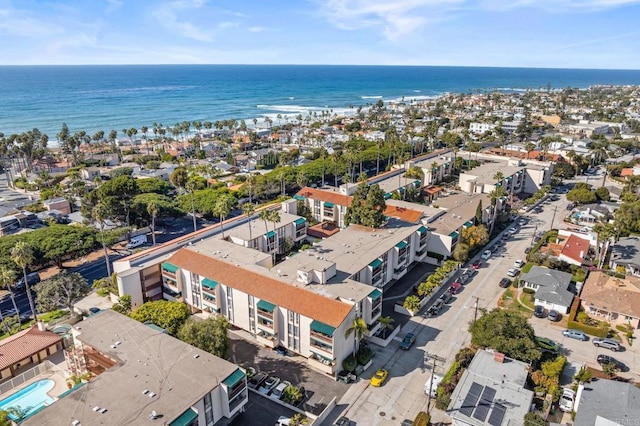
(264, 215)
(251, 183)
(529, 146)
(7, 278)
(359, 330)
(495, 195)
(274, 217)
(191, 186)
(222, 207)
(301, 179)
(153, 208)
(499, 176)
(249, 209)
(100, 213)
(386, 324)
(22, 255)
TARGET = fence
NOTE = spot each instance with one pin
(22, 378)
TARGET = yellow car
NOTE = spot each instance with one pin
(378, 379)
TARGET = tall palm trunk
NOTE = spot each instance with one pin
(193, 212)
(104, 248)
(31, 305)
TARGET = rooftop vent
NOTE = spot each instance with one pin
(196, 356)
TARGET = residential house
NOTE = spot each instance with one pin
(15, 222)
(573, 247)
(625, 256)
(491, 392)
(90, 173)
(27, 349)
(552, 288)
(143, 376)
(58, 203)
(607, 403)
(616, 300)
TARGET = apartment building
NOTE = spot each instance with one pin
(435, 167)
(306, 308)
(516, 177)
(143, 376)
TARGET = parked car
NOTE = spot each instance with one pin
(547, 344)
(606, 359)
(283, 421)
(513, 272)
(431, 388)
(269, 384)
(278, 391)
(455, 288)
(575, 334)
(342, 421)
(522, 222)
(463, 279)
(435, 309)
(256, 381)
(486, 254)
(408, 341)
(378, 379)
(539, 311)
(527, 250)
(446, 297)
(519, 263)
(607, 344)
(280, 350)
(476, 264)
(566, 400)
(553, 316)
(505, 282)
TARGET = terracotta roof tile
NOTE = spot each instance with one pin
(312, 305)
(322, 195)
(612, 294)
(24, 344)
(411, 216)
(574, 247)
(628, 171)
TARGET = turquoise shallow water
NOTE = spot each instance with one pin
(95, 98)
(32, 397)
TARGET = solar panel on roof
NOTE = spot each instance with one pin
(497, 414)
(485, 403)
(470, 399)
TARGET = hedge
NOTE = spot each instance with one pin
(422, 419)
(572, 323)
(545, 238)
(435, 255)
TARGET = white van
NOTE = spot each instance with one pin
(137, 241)
(427, 386)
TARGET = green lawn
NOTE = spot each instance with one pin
(527, 300)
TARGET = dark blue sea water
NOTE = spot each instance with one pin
(95, 98)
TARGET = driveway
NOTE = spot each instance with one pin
(401, 289)
(320, 388)
(259, 411)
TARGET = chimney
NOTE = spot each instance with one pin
(498, 357)
(41, 326)
(581, 254)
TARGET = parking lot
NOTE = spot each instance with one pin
(320, 389)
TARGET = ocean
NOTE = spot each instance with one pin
(93, 98)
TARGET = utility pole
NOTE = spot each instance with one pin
(533, 237)
(475, 311)
(434, 358)
(553, 218)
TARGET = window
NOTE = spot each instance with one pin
(230, 304)
(208, 409)
(252, 314)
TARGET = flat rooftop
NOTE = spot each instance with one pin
(146, 360)
(458, 208)
(243, 232)
(392, 183)
(486, 172)
(426, 161)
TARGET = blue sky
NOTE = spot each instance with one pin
(527, 33)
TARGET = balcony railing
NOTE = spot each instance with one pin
(323, 337)
(265, 314)
(237, 400)
(324, 348)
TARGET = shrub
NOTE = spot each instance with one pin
(582, 317)
(422, 419)
(533, 419)
(443, 400)
(465, 356)
(528, 290)
(364, 355)
(349, 364)
(572, 323)
(412, 303)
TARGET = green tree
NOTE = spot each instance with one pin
(190, 186)
(461, 252)
(563, 170)
(117, 194)
(627, 217)
(507, 332)
(298, 420)
(153, 208)
(209, 335)
(7, 279)
(583, 375)
(5, 420)
(387, 324)
(412, 303)
(581, 196)
(476, 235)
(358, 329)
(602, 194)
(100, 214)
(292, 395)
(222, 208)
(479, 213)
(155, 185)
(124, 304)
(22, 255)
(367, 206)
(61, 291)
(163, 313)
(533, 419)
(248, 210)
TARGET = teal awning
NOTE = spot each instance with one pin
(375, 294)
(454, 234)
(387, 196)
(209, 283)
(234, 378)
(299, 197)
(422, 230)
(468, 224)
(169, 267)
(271, 234)
(328, 204)
(185, 418)
(509, 177)
(498, 184)
(376, 263)
(416, 183)
(322, 328)
(401, 245)
(300, 221)
(266, 306)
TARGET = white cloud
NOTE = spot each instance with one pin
(169, 15)
(23, 23)
(257, 29)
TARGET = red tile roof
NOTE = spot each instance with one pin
(574, 247)
(411, 216)
(22, 345)
(312, 305)
(627, 171)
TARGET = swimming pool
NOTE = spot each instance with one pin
(30, 398)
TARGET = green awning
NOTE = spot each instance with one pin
(235, 378)
(376, 263)
(416, 183)
(211, 284)
(271, 234)
(454, 234)
(185, 418)
(401, 245)
(299, 197)
(375, 294)
(322, 328)
(509, 177)
(300, 221)
(468, 224)
(387, 196)
(422, 230)
(328, 204)
(169, 267)
(266, 306)
(498, 184)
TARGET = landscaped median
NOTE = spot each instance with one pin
(441, 276)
